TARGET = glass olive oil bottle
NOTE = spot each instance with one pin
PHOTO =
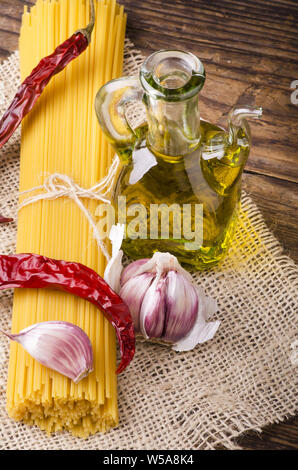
(179, 187)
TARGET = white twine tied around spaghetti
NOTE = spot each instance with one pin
(58, 185)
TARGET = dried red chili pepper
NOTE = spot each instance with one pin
(36, 271)
(5, 220)
(32, 87)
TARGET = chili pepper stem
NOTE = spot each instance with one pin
(87, 31)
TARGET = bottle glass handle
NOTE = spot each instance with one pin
(110, 107)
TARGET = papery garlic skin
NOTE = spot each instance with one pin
(161, 263)
(114, 267)
(201, 330)
(61, 346)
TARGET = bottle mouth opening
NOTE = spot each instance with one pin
(172, 75)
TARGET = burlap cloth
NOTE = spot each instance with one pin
(241, 380)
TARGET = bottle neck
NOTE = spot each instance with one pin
(173, 127)
(172, 81)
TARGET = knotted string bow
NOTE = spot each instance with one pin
(58, 185)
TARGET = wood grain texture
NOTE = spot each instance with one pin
(249, 49)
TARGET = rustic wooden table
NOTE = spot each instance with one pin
(249, 49)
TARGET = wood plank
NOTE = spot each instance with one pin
(238, 71)
(278, 202)
(10, 22)
(281, 436)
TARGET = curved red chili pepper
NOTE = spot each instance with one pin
(31, 89)
(36, 271)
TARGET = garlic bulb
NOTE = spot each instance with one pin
(61, 346)
(163, 299)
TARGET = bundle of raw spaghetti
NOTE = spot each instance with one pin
(62, 135)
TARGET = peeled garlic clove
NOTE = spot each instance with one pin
(130, 270)
(133, 292)
(181, 307)
(152, 313)
(61, 346)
